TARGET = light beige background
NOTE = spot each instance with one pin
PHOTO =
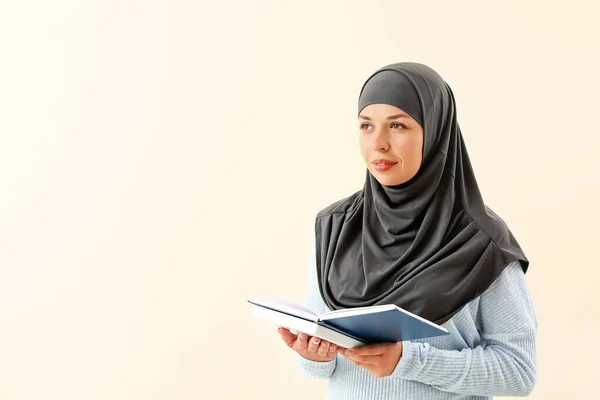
(162, 161)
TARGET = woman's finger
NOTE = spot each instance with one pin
(373, 360)
(371, 350)
(302, 341)
(288, 337)
(332, 350)
(361, 364)
(313, 344)
(323, 348)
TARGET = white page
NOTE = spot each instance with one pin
(356, 311)
(284, 305)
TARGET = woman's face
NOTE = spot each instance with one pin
(391, 143)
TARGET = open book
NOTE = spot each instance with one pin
(349, 328)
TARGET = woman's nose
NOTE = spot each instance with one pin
(380, 143)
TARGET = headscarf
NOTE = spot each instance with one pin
(429, 245)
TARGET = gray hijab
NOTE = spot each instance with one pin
(429, 245)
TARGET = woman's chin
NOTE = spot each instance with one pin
(387, 180)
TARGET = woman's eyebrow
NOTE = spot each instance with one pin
(388, 118)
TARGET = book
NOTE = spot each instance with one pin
(350, 327)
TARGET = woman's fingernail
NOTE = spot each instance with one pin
(316, 341)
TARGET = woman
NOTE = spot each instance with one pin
(419, 235)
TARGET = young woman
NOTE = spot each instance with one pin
(419, 235)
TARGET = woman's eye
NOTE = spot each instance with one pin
(364, 126)
(397, 125)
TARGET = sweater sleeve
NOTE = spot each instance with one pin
(505, 362)
(313, 300)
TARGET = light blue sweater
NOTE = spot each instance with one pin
(491, 351)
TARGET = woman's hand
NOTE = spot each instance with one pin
(379, 359)
(311, 348)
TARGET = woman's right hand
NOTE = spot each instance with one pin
(311, 348)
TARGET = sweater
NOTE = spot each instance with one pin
(490, 351)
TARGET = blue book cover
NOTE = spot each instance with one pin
(375, 324)
(387, 323)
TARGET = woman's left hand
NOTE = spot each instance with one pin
(379, 359)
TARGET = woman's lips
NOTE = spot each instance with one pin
(382, 165)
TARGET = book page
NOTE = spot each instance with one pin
(286, 306)
(347, 312)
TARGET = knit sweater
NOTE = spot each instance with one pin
(491, 351)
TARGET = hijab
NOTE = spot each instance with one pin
(429, 245)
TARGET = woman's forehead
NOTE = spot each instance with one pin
(384, 111)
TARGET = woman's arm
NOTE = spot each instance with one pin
(503, 365)
(313, 300)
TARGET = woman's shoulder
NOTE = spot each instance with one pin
(507, 305)
(509, 289)
(511, 276)
(341, 206)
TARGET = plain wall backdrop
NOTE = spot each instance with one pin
(163, 161)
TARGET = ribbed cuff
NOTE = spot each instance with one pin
(405, 368)
(316, 369)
